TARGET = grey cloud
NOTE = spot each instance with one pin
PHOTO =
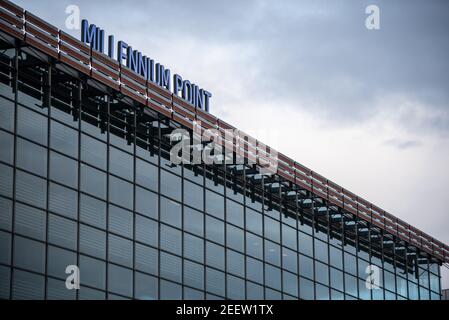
(402, 144)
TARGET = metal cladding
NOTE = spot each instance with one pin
(26, 27)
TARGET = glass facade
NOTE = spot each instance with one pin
(85, 180)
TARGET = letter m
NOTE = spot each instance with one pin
(89, 34)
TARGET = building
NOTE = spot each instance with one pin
(86, 180)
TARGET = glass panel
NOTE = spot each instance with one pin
(305, 243)
(93, 241)
(120, 221)
(306, 289)
(63, 200)
(121, 164)
(146, 231)
(93, 272)
(146, 175)
(27, 286)
(5, 214)
(170, 291)
(121, 192)
(322, 292)
(120, 280)
(351, 285)
(214, 229)
(350, 264)
(272, 277)
(194, 274)
(6, 180)
(146, 259)
(337, 279)
(235, 263)
(235, 288)
(32, 125)
(272, 252)
(63, 170)
(170, 267)
(62, 232)
(171, 239)
(57, 261)
(193, 195)
(254, 245)
(194, 221)
(56, 290)
(92, 211)
(272, 229)
(29, 254)
(290, 283)
(145, 287)
(253, 221)
(215, 281)
(5, 276)
(146, 202)
(7, 147)
(170, 185)
(193, 248)
(336, 257)
(6, 114)
(234, 213)
(214, 255)
(215, 204)
(5, 247)
(31, 157)
(30, 222)
(93, 151)
(31, 189)
(254, 270)
(289, 260)
(120, 251)
(234, 238)
(289, 237)
(306, 266)
(321, 251)
(64, 139)
(93, 181)
(170, 212)
(322, 273)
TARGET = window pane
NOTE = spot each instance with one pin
(146, 202)
(215, 204)
(63, 170)
(5, 180)
(305, 244)
(290, 283)
(321, 273)
(29, 254)
(214, 229)
(93, 272)
(5, 247)
(214, 255)
(7, 147)
(62, 232)
(215, 281)
(6, 114)
(235, 263)
(93, 181)
(236, 288)
(93, 241)
(272, 253)
(120, 280)
(28, 286)
(254, 270)
(193, 248)
(31, 157)
(234, 238)
(171, 212)
(305, 266)
(93, 211)
(64, 139)
(253, 221)
(56, 290)
(306, 289)
(193, 221)
(31, 189)
(146, 231)
(32, 125)
(146, 175)
(5, 213)
(272, 277)
(194, 274)
(170, 291)
(234, 213)
(254, 245)
(120, 221)
(193, 195)
(57, 261)
(171, 239)
(121, 163)
(63, 200)
(170, 267)
(289, 237)
(171, 185)
(254, 291)
(289, 260)
(321, 251)
(121, 192)
(272, 229)
(93, 152)
(120, 251)
(146, 259)
(30, 221)
(146, 287)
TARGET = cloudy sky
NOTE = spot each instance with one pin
(368, 109)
